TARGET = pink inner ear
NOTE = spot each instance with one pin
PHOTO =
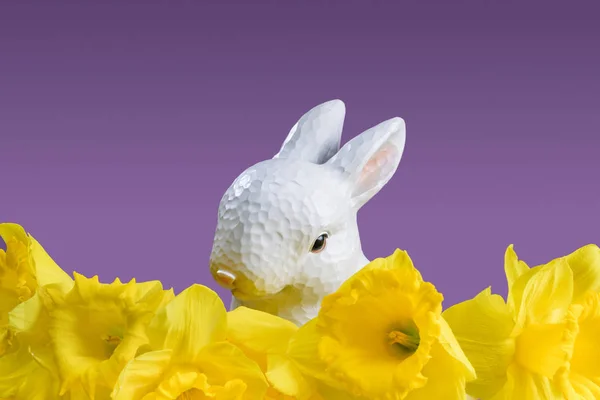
(377, 168)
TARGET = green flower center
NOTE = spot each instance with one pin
(405, 340)
(112, 342)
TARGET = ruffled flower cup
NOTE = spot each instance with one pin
(382, 336)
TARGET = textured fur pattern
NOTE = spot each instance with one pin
(271, 215)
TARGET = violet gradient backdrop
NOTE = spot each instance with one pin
(122, 124)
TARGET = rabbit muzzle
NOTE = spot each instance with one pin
(236, 282)
(225, 278)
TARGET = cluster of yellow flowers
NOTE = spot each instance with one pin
(382, 335)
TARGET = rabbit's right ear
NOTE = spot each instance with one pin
(316, 136)
(370, 160)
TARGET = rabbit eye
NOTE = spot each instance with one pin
(320, 243)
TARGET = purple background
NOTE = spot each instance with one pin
(122, 124)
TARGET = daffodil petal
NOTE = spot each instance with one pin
(523, 385)
(448, 341)
(259, 331)
(547, 294)
(586, 354)
(152, 292)
(518, 274)
(330, 393)
(585, 264)
(13, 367)
(303, 349)
(225, 362)
(179, 382)
(264, 338)
(400, 259)
(17, 270)
(10, 230)
(16, 370)
(193, 319)
(30, 320)
(141, 375)
(46, 270)
(232, 390)
(482, 327)
(5, 335)
(24, 316)
(445, 375)
(513, 267)
(358, 372)
(544, 349)
(399, 264)
(285, 377)
(584, 388)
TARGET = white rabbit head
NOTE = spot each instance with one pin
(287, 231)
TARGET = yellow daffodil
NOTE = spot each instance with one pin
(527, 347)
(189, 356)
(23, 267)
(26, 270)
(381, 336)
(264, 338)
(97, 328)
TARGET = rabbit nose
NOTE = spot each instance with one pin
(225, 278)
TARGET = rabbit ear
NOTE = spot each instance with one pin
(370, 160)
(316, 136)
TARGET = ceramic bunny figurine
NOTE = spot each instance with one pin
(287, 231)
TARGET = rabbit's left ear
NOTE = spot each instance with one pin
(316, 136)
(370, 160)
